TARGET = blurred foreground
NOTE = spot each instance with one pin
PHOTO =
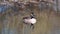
(48, 21)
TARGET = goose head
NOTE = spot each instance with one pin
(32, 15)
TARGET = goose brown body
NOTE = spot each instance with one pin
(29, 20)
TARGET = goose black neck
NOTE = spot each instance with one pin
(32, 17)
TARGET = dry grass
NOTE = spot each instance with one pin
(43, 26)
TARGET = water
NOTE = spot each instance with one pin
(3, 8)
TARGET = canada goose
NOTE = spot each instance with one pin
(30, 20)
